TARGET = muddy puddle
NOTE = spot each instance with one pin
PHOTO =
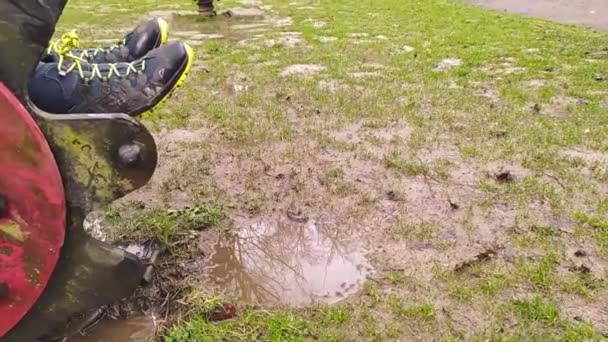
(191, 27)
(242, 23)
(283, 262)
(136, 329)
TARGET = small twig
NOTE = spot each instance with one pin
(376, 280)
(167, 314)
(425, 173)
(166, 301)
(555, 179)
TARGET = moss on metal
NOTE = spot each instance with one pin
(91, 169)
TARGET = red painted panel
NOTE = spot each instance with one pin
(32, 229)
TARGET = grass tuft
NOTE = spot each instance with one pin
(536, 309)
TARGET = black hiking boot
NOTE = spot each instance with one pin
(75, 86)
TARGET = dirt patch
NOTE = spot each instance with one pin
(560, 106)
(536, 83)
(249, 27)
(302, 69)
(448, 64)
(288, 40)
(170, 13)
(247, 12)
(236, 83)
(283, 22)
(488, 93)
(405, 49)
(185, 34)
(206, 36)
(250, 3)
(316, 23)
(586, 155)
(361, 41)
(581, 310)
(505, 67)
(326, 39)
(363, 74)
(332, 86)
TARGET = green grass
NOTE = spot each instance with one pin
(584, 284)
(416, 230)
(598, 228)
(463, 293)
(535, 309)
(407, 167)
(257, 325)
(493, 283)
(541, 273)
(164, 226)
(423, 312)
(276, 327)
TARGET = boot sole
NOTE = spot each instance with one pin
(180, 81)
(164, 30)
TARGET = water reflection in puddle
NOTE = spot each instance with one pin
(136, 329)
(287, 263)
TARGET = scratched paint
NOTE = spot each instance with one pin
(12, 231)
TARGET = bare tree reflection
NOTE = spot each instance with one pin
(284, 261)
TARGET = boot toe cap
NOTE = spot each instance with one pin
(171, 60)
(145, 38)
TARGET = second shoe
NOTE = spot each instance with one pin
(145, 37)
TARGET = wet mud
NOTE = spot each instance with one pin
(136, 329)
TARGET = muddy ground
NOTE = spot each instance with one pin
(433, 183)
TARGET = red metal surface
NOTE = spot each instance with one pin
(32, 229)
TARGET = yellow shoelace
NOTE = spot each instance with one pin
(70, 41)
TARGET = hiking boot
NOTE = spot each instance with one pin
(75, 86)
(206, 9)
(136, 44)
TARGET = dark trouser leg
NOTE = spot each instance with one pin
(205, 7)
